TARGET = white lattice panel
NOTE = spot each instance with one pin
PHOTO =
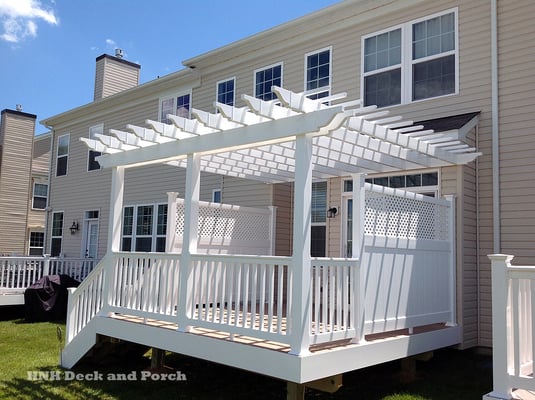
(228, 222)
(404, 217)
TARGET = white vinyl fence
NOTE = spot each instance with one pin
(17, 273)
(513, 330)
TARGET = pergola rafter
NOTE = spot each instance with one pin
(258, 141)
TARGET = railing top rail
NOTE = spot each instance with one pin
(405, 194)
(247, 258)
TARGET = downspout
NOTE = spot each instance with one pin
(495, 129)
(48, 208)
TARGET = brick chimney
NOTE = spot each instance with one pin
(113, 75)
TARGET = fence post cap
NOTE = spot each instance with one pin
(500, 257)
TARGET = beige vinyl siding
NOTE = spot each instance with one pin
(516, 50)
(335, 247)
(15, 179)
(283, 201)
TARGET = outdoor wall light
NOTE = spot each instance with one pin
(74, 227)
(331, 212)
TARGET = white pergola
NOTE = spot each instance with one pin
(292, 138)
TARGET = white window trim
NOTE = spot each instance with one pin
(101, 125)
(39, 182)
(223, 81)
(62, 230)
(327, 88)
(174, 95)
(35, 247)
(214, 191)
(268, 67)
(63, 155)
(406, 58)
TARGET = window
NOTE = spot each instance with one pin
(161, 228)
(37, 240)
(216, 196)
(40, 196)
(318, 74)
(144, 227)
(93, 164)
(63, 155)
(415, 61)
(265, 79)
(319, 215)
(57, 234)
(225, 91)
(179, 105)
(421, 182)
(128, 228)
(142, 231)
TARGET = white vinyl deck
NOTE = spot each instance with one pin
(220, 294)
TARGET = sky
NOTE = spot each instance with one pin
(48, 47)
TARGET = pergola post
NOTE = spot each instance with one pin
(114, 232)
(357, 248)
(189, 244)
(300, 279)
(116, 209)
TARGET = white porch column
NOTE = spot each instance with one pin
(299, 317)
(114, 233)
(357, 249)
(171, 222)
(116, 209)
(189, 245)
(501, 388)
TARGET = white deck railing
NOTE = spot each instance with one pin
(513, 330)
(17, 273)
(406, 278)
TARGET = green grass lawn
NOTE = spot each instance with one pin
(450, 374)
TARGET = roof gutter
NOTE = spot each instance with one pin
(495, 130)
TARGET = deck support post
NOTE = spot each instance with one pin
(295, 391)
(189, 244)
(299, 317)
(357, 248)
(501, 387)
(157, 358)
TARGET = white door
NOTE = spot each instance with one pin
(91, 239)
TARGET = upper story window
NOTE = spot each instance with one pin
(40, 196)
(265, 79)
(318, 74)
(93, 164)
(415, 61)
(226, 91)
(177, 105)
(63, 155)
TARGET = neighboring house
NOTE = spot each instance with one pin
(462, 68)
(24, 164)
